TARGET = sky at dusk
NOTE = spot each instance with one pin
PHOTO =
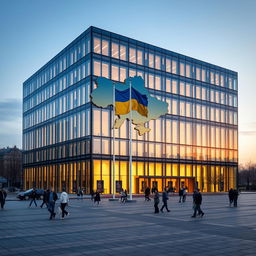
(222, 32)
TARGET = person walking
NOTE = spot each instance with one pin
(181, 194)
(123, 196)
(156, 201)
(51, 198)
(164, 199)
(236, 194)
(197, 201)
(97, 197)
(45, 198)
(184, 196)
(231, 196)
(64, 199)
(92, 195)
(147, 194)
(33, 197)
(3, 196)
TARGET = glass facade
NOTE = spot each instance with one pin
(67, 141)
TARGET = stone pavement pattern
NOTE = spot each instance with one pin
(131, 229)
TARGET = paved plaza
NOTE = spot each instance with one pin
(131, 229)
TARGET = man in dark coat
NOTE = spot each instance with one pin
(236, 193)
(147, 194)
(45, 198)
(197, 200)
(3, 195)
(33, 198)
(165, 198)
(51, 199)
(231, 196)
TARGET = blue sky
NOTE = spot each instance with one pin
(221, 32)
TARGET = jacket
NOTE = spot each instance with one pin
(3, 195)
(64, 198)
(197, 198)
(165, 196)
(55, 197)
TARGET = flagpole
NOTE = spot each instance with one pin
(130, 143)
(114, 155)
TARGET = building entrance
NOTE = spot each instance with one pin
(172, 183)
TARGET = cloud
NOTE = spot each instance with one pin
(247, 133)
(11, 122)
(10, 109)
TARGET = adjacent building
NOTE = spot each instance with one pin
(67, 140)
(11, 167)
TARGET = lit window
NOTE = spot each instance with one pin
(151, 81)
(105, 47)
(182, 88)
(174, 86)
(114, 51)
(122, 74)
(168, 85)
(114, 72)
(139, 57)
(96, 45)
(151, 60)
(132, 55)
(122, 52)
(182, 69)
(168, 65)
(158, 83)
(105, 70)
(188, 70)
(174, 66)
(96, 68)
(157, 62)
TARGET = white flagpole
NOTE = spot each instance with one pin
(130, 143)
(114, 155)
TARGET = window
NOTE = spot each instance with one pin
(182, 69)
(188, 70)
(182, 88)
(157, 62)
(122, 74)
(198, 73)
(114, 72)
(158, 83)
(132, 55)
(105, 47)
(96, 122)
(168, 65)
(174, 66)
(96, 45)
(123, 55)
(114, 50)
(96, 68)
(139, 57)
(168, 85)
(105, 70)
(151, 60)
(174, 86)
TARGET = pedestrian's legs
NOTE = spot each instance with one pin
(156, 208)
(2, 204)
(64, 212)
(35, 202)
(235, 202)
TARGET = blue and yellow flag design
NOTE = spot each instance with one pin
(139, 102)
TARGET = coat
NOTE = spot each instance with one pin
(165, 196)
(3, 195)
(197, 198)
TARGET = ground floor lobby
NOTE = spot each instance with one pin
(98, 175)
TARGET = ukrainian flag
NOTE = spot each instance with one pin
(122, 102)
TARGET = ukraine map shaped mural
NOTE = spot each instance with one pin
(144, 106)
